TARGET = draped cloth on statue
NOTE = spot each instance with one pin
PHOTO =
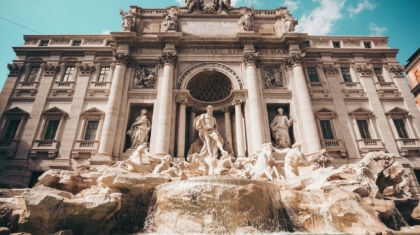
(207, 130)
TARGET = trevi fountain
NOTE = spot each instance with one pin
(278, 189)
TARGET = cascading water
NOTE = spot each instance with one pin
(216, 205)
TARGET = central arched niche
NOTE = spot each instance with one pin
(210, 86)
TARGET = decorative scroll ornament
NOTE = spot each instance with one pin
(94, 41)
(330, 69)
(31, 41)
(320, 42)
(170, 20)
(60, 41)
(251, 58)
(396, 71)
(85, 69)
(127, 20)
(294, 59)
(15, 69)
(122, 58)
(181, 98)
(144, 78)
(381, 43)
(247, 20)
(351, 42)
(167, 58)
(49, 69)
(273, 77)
(364, 70)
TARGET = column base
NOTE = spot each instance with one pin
(101, 159)
(160, 154)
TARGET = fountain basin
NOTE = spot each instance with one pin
(216, 205)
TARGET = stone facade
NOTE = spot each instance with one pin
(71, 99)
(412, 69)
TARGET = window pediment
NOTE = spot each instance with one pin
(54, 111)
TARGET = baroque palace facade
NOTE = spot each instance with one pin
(71, 100)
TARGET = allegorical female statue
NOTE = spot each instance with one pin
(139, 131)
(280, 129)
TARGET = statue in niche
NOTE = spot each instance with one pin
(212, 141)
(170, 21)
(144, 78)
(139, 131)
(247, 20)
(280, 129)
(290, 24)
(273, 78)
(127, 20)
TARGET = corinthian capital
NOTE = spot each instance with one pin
(330, 69)
(85, 69)
(294, 59)
(122, 58)
(251, 58)
(363, 70)
(167, 58)
(15, 69)
(50, 69)
(396, 71)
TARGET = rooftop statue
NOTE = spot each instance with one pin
(247, 20)
(127, 20)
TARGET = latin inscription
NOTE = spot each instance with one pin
(209, 51)
(209, 27)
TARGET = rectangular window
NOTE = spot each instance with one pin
(77, 43)
(400, 126)
(306, 44)
(11, 129)
(32, 74)
(364, 129)
(367, 44)
(313, 75)
(91, 128)
(51, 130)
(346, 74)
(379, 75)
(68, 74)
(327, 131)
(44, 43)
(103, 75)
(336, 44)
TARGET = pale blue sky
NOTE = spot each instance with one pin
(398, 19)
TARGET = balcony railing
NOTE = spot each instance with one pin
(385, 86)
(99, 87)
(373, 144)
(319, 87)
(347, 87)
(85, 146)
(49, 146)
(410, 143)
(26, 85)
(63, 84)
(9, 147)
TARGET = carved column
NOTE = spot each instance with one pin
(239, 127)
(181, 125)
(104, 155)
(305, 104)
(228, 125)
(254, 96)
(165, 104)
(192, 130)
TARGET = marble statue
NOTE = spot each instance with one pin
(170, 21)
(139, 131)
(207, 130)
(264, 166)
(293, 157)
(135, 163)
(127, 20)
(247, 21)
(280, 129)
(189, 4)
(144, 78)
(164, 165)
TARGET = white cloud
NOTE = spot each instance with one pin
(361, 6)
(292, 5)
(376, 30)
(322, 19)
(234, 2)
(106, 31)
(180, 2)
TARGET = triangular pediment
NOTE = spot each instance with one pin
(324, 110)
(93, 110)
(361, 110)
(397, 110)
(54, 110)
(16, 110)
